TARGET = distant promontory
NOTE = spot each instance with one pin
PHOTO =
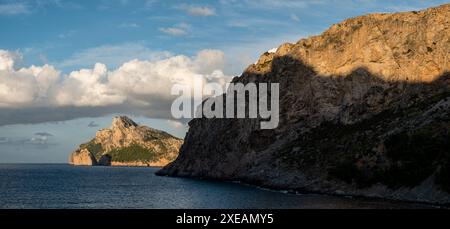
(127, 144)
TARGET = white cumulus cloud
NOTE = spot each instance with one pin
(141, 80)
(25, 86)
(137, 84)
(88, 87)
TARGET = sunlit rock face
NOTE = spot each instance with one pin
(364, 110)
(127, 144)
(82, 157)
(411, 46)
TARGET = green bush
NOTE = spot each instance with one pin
(132, 153)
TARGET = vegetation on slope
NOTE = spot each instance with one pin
(132, 153)
(406, 157)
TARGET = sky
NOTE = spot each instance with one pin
(67, 67)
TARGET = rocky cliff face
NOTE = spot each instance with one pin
(127, 144)
(364, 110)
(82, 157)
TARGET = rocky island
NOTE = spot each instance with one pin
(127, 144)
(364, 111)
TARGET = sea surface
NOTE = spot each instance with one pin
(56, 186)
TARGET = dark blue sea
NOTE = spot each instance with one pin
(56, 186)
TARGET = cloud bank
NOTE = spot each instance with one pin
(43, 93)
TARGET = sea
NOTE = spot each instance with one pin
(61, 186)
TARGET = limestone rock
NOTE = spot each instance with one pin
(128, 144)
(82, 157)
(410, 46)
(364, 110)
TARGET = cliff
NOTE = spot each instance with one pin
(364, 110)
(127, 144)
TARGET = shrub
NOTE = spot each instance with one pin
(133, 152)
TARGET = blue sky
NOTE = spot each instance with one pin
(129, 49)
